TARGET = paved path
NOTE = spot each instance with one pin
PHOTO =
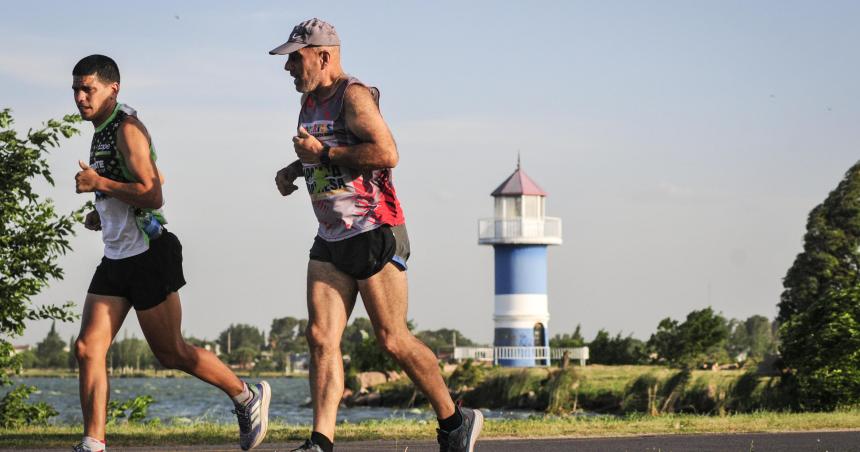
(748, 442)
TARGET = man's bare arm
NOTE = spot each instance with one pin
(133, 143)
(377, 150)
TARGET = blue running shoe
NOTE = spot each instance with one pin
(254, 416)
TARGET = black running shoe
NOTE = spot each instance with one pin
(462, 438)
(308, 446)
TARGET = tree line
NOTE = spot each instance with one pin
(246, 347)
(704, 338)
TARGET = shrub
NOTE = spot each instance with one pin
(15, 411)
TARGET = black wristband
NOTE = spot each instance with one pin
(324, 157)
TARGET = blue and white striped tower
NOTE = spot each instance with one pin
(520, 233)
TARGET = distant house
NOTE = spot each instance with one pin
(16, 349)
(213, 347)
(299, 361)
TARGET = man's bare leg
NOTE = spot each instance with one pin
(162, 326)
(101, 319)
(385, 298)
(331, 297)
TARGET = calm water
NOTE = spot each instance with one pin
(181, 400)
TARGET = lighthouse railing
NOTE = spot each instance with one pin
(518, 353)
(519, 229)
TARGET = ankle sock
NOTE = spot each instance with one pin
(320, 440)
(243, 397)
(93, 444)
(452, 422)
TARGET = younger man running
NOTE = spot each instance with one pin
(142, 264)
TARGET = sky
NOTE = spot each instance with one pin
(682, 144)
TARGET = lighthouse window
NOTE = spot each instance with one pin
(532, 206)
(508, 207)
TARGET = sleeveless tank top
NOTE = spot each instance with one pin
(346, 201)
(126, 229)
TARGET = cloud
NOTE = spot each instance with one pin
(53, 69)
(665, 192)
(671, 190)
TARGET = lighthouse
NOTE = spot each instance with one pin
(520, 233)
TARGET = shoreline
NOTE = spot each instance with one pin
(149, 373)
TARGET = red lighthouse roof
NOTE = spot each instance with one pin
(518, 184)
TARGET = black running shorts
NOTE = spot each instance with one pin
(146, 279)
(365, 254)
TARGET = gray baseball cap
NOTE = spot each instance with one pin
(313, 32)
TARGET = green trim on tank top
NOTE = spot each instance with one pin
(124, 168)
(109, 119)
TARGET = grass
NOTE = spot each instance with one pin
(618, 390)
(597, 378)
(536, 427)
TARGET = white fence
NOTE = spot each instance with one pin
(578, 353)
(539, 354)
(473, 353)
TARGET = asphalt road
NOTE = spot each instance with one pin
(844, 441)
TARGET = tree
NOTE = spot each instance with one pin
(753, 336)
(32, 235)
(132, 352)
(364, 351)
(288, 334)
(699, 340)
(568, 340)
(819, 310)
(51, 351)
(28, 359)
(240, 337)
(605, 349)
(354, 333)
(243, 356)
(366, 355)
(443, 339)
(71, 360)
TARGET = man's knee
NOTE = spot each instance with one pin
(87, 350)
(321, 339)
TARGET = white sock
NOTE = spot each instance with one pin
(243, 397)
(93, 444)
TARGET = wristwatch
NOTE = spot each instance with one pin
(324, 158)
